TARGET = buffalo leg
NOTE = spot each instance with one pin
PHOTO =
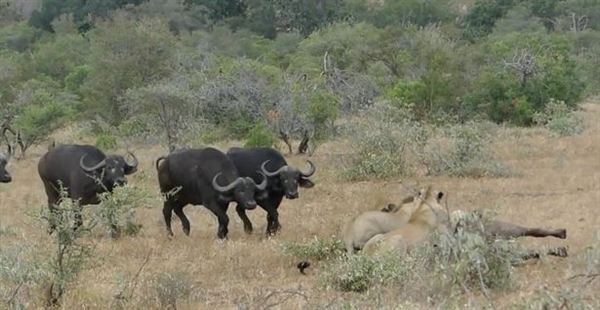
(273, 225)
(167, 214)
(541, 233)
(510, 230)
(241, 211)
(559, 252)
(185, 223)
(220, 210)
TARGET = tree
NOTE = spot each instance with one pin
(125, 54)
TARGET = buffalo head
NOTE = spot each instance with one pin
(290, 178)
(241, 190)
(114, 169)
(4, 175)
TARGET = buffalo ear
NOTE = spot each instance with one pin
(306, 183)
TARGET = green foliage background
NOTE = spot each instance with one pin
(206, 68)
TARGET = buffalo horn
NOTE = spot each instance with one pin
(263, 183)
(270, 174)
(91, 169)
(134, 164)
(226, 188)
(311, 170)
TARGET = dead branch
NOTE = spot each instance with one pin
(133, 280)
(12, 296)
(303, 146)
(578, 23)
(524, 63)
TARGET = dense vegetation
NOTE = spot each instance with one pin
(193, 71)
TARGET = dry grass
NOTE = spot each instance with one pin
(559, 186)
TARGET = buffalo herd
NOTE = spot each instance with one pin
(251, 177)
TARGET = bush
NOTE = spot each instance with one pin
(358, 273)
(317, 249)
(525, 70)
(559, 119)
(384, 144)
(106, 142)
(260, 136)
(463, 151)
(166, 289)
(117, 209)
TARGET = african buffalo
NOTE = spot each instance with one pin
(205, 177)
(360, 229)
(282, 180)
(83, 171)
(426, 215)
(4, 175)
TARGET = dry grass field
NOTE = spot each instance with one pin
(558, 186)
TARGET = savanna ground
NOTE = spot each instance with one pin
(558, 185)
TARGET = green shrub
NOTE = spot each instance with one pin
(523, 71)
(359, 273)
(117, 210)
(106, 142)
(76, 78)
(559, 119)
(316, 249)
(463, 151)
(260, 136)
(384, 144)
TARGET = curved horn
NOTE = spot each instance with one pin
(9, 152)
(91, 169)
(135, 161)
(268, 173)
(158, 161)
(225, 188)
(311, 170)
(262, 184)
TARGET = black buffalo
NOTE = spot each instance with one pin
(83, 171)
(4, 175)
(203, 177)
(282, 180)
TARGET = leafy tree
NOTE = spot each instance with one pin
(81, 10)
(57, 58)
(18, 37)
(42, 108)
(525, 72)
(124, 54)
(305, 16)
(481, 19)
(397, 13)
(547, 10)
(221, 9)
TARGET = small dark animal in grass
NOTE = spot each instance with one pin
(205, 177)
(5, 177)
(84, 171)
(303, 265)
(283, 180)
